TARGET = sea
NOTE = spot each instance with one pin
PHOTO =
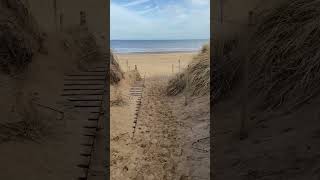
(157, 46)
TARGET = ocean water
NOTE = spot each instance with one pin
(159, 46)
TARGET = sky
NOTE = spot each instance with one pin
(159, 19)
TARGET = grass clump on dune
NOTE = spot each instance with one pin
(116, 73)
(176, 85)
(196, 78)
(284, 57)
(285, 63)
(20, 37)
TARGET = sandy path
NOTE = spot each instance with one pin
(154, 152)
(193, 129)
(157, 134)
(171, 140)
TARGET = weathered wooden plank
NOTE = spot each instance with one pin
(83, 74)
(83, 84)
(86, 80)
(97, 100)
(84, 94)
(83, 89)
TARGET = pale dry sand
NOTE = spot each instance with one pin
(155, 64)
(172, 139)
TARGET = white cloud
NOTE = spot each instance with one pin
(200, 2)
(172, 11)
(125, 24)
(147, 10)
(137, 2)
(169, 22)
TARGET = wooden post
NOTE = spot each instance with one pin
(179, 65)
(127, 65)
(186, 95)
(172, 69)
(83, 18)
(245, 111)
(220, 11)
(220, 44)
(144, 79)
(55, 14)
(61, 22)
(27, 4)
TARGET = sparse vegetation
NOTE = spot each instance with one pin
(118, 99)
(285, 58)
(116, 73)
(19, 36)
(226, 69)
(176, 85)
(196, 77)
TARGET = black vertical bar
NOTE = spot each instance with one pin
(107, 93)
(212, 54)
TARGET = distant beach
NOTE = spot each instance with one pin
(156, 46)
(161, 64)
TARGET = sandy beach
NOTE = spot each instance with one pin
(170, 139)
(155, 64)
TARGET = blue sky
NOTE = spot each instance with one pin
(160, 19)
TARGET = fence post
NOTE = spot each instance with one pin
(83, 18)
(144, 79)
(55, 14)
(172, 68)
(127, 65)
(179, 65)
(61, 22)
(186, 95)
(220, 44)
(245, 109)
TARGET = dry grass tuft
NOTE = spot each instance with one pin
(19, 36)
(285, 63)
(116, 73)
(284, 57)
(226, 68)
(198, 73)
(176, 85)
(196, 78)
(117, 99)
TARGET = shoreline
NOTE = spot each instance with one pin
(156, 52)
